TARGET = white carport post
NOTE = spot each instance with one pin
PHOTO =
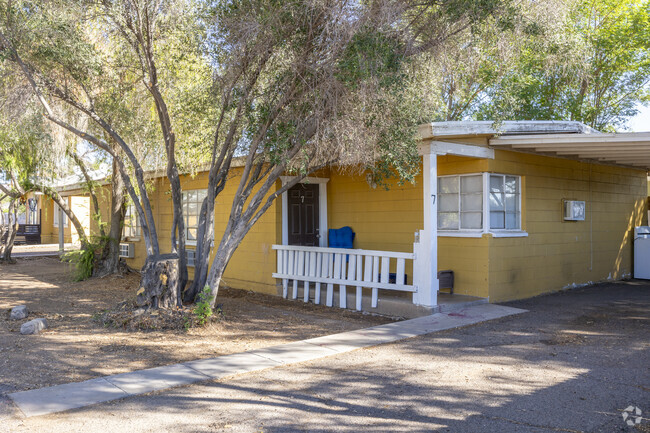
(427, 259)
(61, 228)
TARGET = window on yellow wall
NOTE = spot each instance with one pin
(192, 201)
(505, 212)
(131, 223)
(479, 203)
(460, 205)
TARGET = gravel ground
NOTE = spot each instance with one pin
(572, 364)
(75, 348)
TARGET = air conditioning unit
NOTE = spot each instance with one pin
(127, 250)
(574, 210)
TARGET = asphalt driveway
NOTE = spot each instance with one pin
(574, 363)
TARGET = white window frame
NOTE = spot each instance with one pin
(190, 261)
(486, 182)
(460, 212)
(477, 233)
(55, 221)
(186, 215)
(135, 227)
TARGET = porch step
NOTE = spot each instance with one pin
(398, 306)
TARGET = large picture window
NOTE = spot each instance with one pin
(479, 203)
(192, 201)
(131, 223)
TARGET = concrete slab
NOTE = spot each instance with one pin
(75, 395)
(153, 379)
(64, 397)
(391, 332)
(228, 365)
(294, 352)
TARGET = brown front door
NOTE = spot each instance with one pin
(303, 215)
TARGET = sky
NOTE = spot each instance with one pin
(640, 122)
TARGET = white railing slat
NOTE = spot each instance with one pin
(385, 267)
(329, 296)
(375, 276)
(320, 265)
(290, 265)
(297, 272)
(283, 269)
(359, 277)
(337, 275)
(343, 294)
(311, 271)
(399, 272)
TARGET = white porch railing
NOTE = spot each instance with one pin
(342, 267)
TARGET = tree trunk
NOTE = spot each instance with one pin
(202, 252)
(219, 264)
(178, 229)
(109, 262)
(226, 249)
(7, 247)
(160, 282)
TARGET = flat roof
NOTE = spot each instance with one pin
(488, 128)
(630, 149)
(564, 139)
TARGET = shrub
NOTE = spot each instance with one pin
(203, 310)
(84, 259)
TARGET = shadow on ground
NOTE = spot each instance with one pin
(572, 364)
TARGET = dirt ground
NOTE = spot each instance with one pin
(76, 348)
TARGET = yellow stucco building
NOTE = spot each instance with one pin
(513, 213)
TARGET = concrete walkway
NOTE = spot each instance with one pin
(41, 250)
(75, 395)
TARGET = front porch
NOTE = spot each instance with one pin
(372, 281)
(393, 272)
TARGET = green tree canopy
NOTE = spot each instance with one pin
(596, 71)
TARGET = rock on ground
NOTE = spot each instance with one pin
(19, 312)
(33, 326)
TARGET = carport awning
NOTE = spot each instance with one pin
(628, 149)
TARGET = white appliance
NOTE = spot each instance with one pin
(574, 210)
(642, 252)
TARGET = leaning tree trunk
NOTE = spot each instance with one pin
(51, 193)
(159, 285)
(219, 264)
(5, 250)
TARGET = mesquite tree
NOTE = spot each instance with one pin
(303, 85)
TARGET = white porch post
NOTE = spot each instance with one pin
(61, 228)
(427, 261)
